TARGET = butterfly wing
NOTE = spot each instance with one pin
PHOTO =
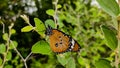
(59, 42)
(76, 47)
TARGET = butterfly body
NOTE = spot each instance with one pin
(61, 42)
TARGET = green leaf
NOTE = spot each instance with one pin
(5, 36)
(2, 48)
(9, 56)
(14, 43)
(62, 59)
(50, 12)
(110, 37)
(109, 6)
(13, 31)
(81, 61)
(40, 27)
(41, 47)
(50, 22)
(59, 6)
(8, 66)
(26, 29)
(103, 63)
(71, 63)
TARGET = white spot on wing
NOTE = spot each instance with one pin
(73, 43)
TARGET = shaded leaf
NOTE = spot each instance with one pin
(26, 29)
(2, 48)
(41, 47)
(109, 6)
(8, 66)
(62, 59)
(71, 63)
(102, 63)
(110, 37)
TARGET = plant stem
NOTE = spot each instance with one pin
(55, 15)
(16, 50)
(116, 58)
(7, 44)
(28, 56)
(24, 60)
(117, 53)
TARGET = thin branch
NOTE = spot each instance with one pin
(19, 54)
(28, 56)
(25, 64)
(7, 44)
(17, 50)
(55, 15)
(24, 60)
(116, 58)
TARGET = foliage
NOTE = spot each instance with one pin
(26, 45)
(110, 37)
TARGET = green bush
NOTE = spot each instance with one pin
(26, 45)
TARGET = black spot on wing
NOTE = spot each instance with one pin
(59, 36)
(56, 44)
(60, 43)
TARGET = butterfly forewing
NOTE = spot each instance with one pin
(76, 47)
(59, 42)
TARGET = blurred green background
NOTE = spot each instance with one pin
(80, 19)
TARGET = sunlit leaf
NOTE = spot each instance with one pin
(26, 29)
(9, 56)
(71, 63)
(83, 53)
(110, 37)
(5, 36)
(102, 63)
(13, 31)
(81, 61)
(41, 47)
(59, 6)
(50, 12)
(109, 6)
(2, 48)
(40, 27)
(50, 22)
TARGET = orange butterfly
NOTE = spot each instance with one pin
(61, 42)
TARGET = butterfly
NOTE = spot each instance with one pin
(61, 42)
